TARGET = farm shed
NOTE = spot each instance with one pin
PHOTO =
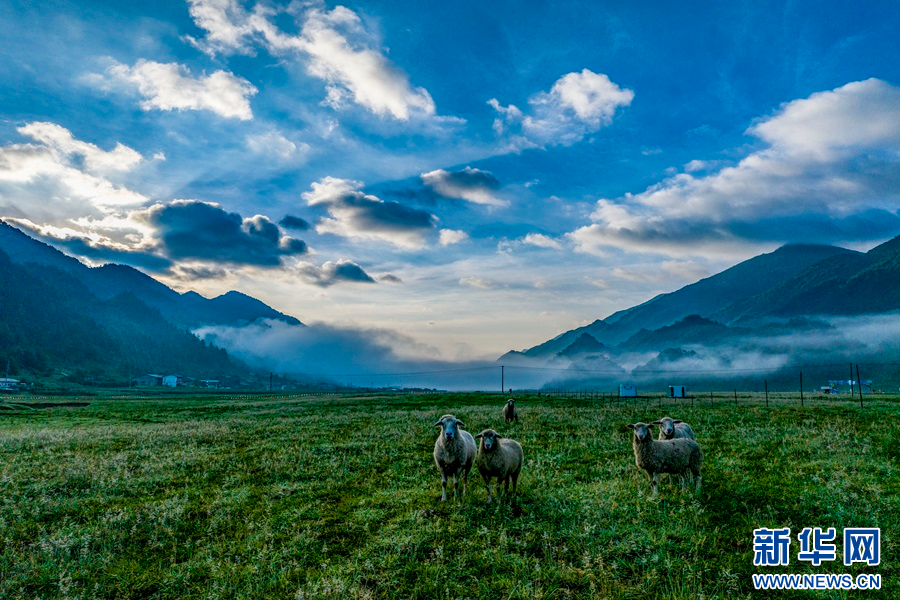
(147, 380)
(677, 391)
(8, 384)
(627, 390)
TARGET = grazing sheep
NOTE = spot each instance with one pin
(670, 429)
(509, 411)
(498, 457)
(677, 456)
(454, 453)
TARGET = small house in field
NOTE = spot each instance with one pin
(8, 384)
(172, 380)
(627, 390)
(147, 380)
(677, 391)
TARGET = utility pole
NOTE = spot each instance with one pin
(766, 384)
(502, 378)
(270, 382)
(801, 388)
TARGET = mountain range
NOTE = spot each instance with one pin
(773, 303)
(57, 313)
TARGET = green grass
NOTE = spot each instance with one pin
(338, 497)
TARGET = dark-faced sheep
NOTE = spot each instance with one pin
(509, 411)
(499, 457)
(454, 453)
(678, 456)
(670, 428)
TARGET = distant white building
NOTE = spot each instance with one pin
(171, 380)
(8, 384)
(627, 390)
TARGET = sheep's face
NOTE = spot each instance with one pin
(488, 439)
(511, 403)
(642, 431)
(667, 426)
(449, 427)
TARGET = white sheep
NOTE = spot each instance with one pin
(509, 411)
(677, 456)
(454, 453)
(499, 457)
(670, 429)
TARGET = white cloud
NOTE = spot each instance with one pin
(541, 241)
(448, 237)
(478, 283)
(578, 104)
(334, 46)
(472, 185)
(275, 144)
(169, 86)
(356, 215)
(62, 177)
(831, 172)
(333, 272)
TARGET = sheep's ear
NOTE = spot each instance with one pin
(630, 426)
(660, 422)
(438, 424)
(460, 423)
(678, 421)
(478, 437)
(498, 436)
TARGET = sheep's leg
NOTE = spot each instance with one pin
(654, 483)
(443, 487)
(699, 479)
(487, 486)
(456, 484)
(506, 479)
(465, 482)
(515, 481)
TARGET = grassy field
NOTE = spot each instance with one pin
(338, 497)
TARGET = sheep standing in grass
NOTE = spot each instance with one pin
(509, 411)
(670, 428)
(678, 456)
(499, 457)
(454, 453)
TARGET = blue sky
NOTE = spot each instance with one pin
(470, 177)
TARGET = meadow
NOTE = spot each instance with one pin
(212, 496)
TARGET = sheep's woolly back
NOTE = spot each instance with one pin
(678, 456)
(505, 458)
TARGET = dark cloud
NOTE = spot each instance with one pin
(389, 278)
(355, 214)
(193, 229)
(292, 222)
(331, 273)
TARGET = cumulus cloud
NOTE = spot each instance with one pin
(334, 46)
(472, 185)
(332, 272)
(356, 215)
(79, 177)
(448, 237)
(169, 86)
(830, 173)
(541, 241)
(204, 230)
(578, 104)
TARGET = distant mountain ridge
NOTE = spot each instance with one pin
(796, 280)
(189, 309)
(58, 315)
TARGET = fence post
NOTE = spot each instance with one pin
(859, 385)
(766, 383)
(735, 397)
(801, 388)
